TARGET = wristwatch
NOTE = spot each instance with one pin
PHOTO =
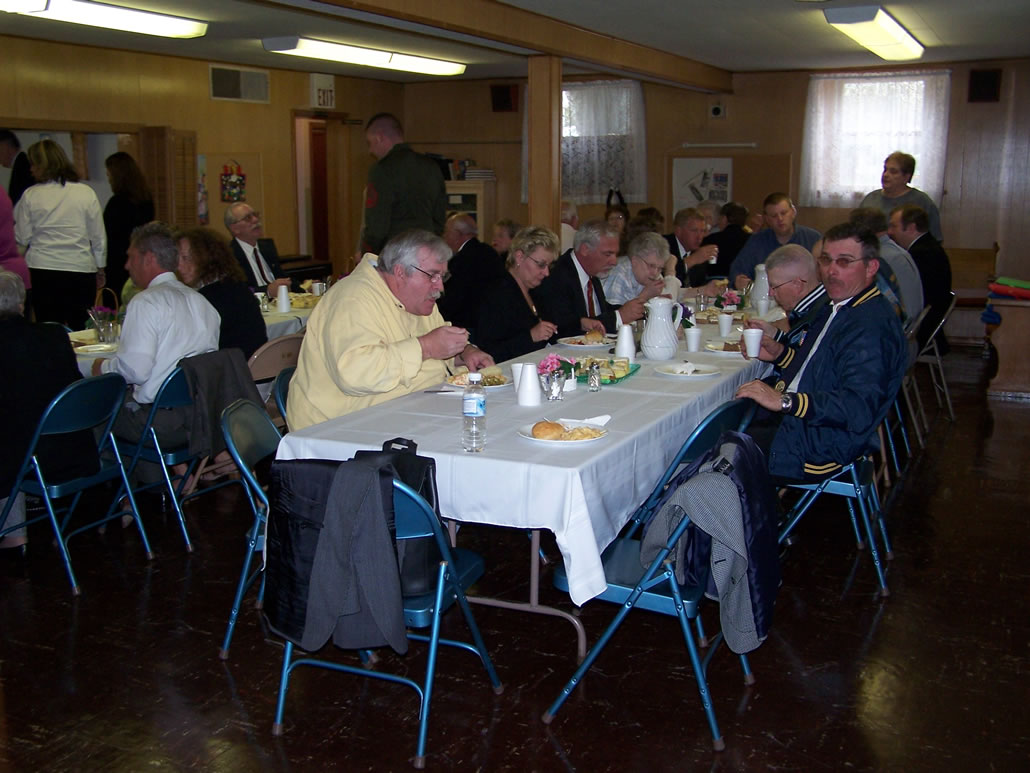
(786, 403)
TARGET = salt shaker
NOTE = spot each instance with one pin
(594, 378)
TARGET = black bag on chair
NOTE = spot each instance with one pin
(418, 559)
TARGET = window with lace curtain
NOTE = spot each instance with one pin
(854, 121)
(603, 144)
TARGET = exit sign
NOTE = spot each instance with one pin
(323, 91)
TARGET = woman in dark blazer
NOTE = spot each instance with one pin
(207, 265)
(131, 205)
(508, 324)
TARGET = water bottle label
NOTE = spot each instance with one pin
(474, 405)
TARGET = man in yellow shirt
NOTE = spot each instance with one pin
(377, 334)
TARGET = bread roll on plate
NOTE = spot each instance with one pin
(548, 430)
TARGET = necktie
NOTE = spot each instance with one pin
(260, 263)
(590, 297)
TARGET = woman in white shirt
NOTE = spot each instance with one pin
(60, 227)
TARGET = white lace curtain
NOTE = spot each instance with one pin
(854, 121)
(603, 143)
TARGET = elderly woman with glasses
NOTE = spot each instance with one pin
(509, 325)
(639, 274)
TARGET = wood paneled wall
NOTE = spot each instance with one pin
(56, 81)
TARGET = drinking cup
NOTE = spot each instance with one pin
(693, 336)
(753, 341)
(725, 324)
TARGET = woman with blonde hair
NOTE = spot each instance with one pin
(509, 325)
(60, 228)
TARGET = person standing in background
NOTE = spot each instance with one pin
(405, 189)
(131, 205)
(10, 258)
(12, 157)
(59, 226)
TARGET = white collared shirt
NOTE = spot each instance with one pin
(584, 277)
(260, 273)
(793, 386)
(163, 323)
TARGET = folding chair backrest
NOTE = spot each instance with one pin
(413, 517)
(731, 415)
(281, 388)
(266, 363)
(84, 404)
(174, 392)
(912, 328)
(936, 330)
(250, 437)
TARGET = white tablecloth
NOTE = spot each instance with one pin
(280, 325)
(583, 493)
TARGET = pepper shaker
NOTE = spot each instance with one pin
(594, 378)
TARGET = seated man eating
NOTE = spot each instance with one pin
(378, 334)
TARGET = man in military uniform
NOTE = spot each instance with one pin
(405, 189)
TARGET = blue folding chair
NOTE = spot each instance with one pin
(655, 588)
(281, 390)
(88, 405)
(251, 437)
(174, 393)
(856, 483)
(458, 570)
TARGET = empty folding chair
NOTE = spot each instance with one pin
(281, 390)
(931, 357)
(87, 406)
(251, 438)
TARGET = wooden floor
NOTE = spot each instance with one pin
(935, 678)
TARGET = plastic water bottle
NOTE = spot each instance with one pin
(473, 409)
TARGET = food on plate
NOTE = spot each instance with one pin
(548, 430)
(492, 376)
(552, 430)
(594, 337)
(303, 300)
(685, 369)
(611, 369)
(582, 433)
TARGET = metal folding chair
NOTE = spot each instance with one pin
(251, 437)
(174, 393)
(281, 390)
(909, 386)
(856, 483)
(655, 588)
(931, 357)
(458, 570)
(269, 361)
(91, 404)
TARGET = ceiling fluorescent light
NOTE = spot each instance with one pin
(368, 57)
(872, 27)
(108, 17)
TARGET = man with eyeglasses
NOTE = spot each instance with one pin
(795, 285)
(377, 334)
(639, 275)
(257, 256)
(836, 387)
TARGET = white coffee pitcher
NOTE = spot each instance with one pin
(659, 341)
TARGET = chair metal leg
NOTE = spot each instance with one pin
(908, 386)
(919, 404)
(246, 580)
(942, 387)
(863, 511)
(61, 545)
(284, 679)
(427, 689)
(718, 744)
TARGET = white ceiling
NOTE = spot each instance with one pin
(736, 35)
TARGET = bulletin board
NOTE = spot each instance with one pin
(746, 178)
(227, 178)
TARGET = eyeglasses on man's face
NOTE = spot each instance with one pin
(774, 288)
(435, 276)
(842, 263)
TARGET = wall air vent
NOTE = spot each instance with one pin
(239, 84)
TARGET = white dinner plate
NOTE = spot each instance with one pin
(700, 371)
(495, 387)
(526, 431)
(608, 343)
(716, 346)
(97, 348)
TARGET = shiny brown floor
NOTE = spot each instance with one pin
(126, 678)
